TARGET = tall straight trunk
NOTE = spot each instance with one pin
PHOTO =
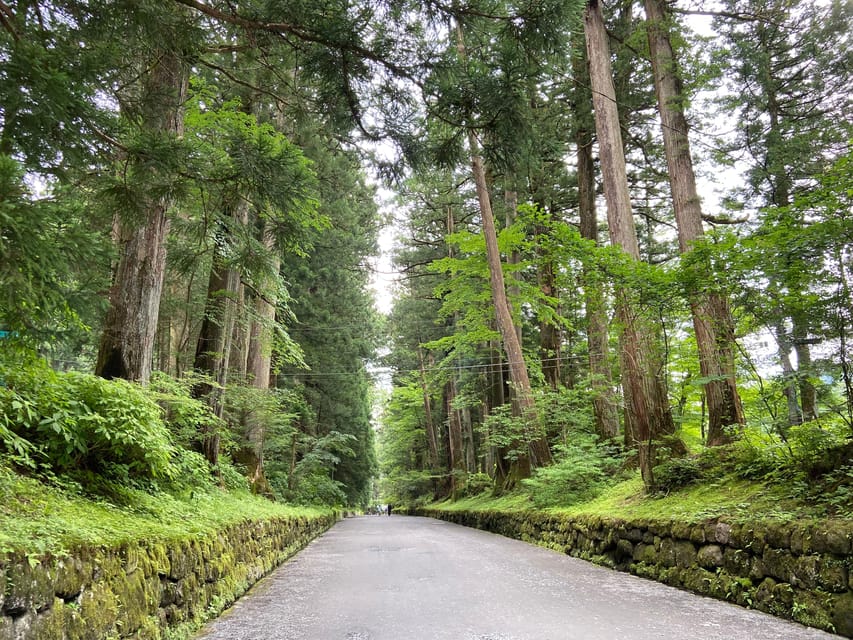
(712, 321)
(432, 438)
(604, 401)
(808, 393)
(259, 357)
(781, 184)
(513, 288)
(258, 364)
(127, 343)
(454, 440)
(470, 442)
(240, 332)
(213, 350)
(795, 416)
(550, 333)
(642, 371)
(538, 450)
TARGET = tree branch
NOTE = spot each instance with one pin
(284, 28)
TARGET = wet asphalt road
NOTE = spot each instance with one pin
(407, 578)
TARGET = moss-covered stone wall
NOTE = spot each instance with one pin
(145, 590)
(800, 571)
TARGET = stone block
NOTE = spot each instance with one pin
(737, 561)
(710, 556)
(697, 534)
(29, 587)
(842, 614)
(779, 564)
(722, 532)
(72, 573)
(832, 576)
(833, 538)
(624, 550)
(685, 554)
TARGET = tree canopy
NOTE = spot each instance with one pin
(623, 238)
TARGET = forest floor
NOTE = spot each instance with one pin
(38, 517)
(728, 497)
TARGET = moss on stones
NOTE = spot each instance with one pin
(841, 615)
(137, 590)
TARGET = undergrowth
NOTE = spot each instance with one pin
(37, 518)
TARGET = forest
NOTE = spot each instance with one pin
(623, 247)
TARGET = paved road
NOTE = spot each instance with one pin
(406, 578)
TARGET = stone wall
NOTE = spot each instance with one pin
(143, 589)
(800, 571)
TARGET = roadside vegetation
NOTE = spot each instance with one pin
(100, 462)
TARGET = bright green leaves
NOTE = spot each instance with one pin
(49, 250)
(237, 156)
(75, 421)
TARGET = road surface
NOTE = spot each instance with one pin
(407, 578)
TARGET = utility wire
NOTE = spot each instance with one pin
(492, 367)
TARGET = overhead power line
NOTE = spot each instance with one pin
(492, 367)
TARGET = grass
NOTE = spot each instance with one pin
(38, 518)
(730, 497)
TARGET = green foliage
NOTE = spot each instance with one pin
(477, 483)
(513, 434)
(52, 261)
(676, 473)
(77, 421)
(186, 417)
(583, 468)
(410, 487)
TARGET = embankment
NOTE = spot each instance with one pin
(801, 571)
(144, 589)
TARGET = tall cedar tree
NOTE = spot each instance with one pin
(647, 412)
(712, 322)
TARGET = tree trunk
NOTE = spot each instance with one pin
(540, 453)
(538, 448)
(642, 371)
(795, 417)
(513, 289)
(258, 365)
(454, 441)
(127, 343)
(605, 404)
(550, 334)
(432, 439)
(808, 393)
(213, 350)
(712, 321)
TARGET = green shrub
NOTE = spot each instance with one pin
(676, 473)
(77, 421)
(186, 417)
(477, 483)
(584, 468)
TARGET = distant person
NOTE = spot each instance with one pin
(388, 509)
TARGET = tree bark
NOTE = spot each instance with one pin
(258, 366)
(605, 404)
(127, 343)
(432, 438)
(712, 321)
(539, 452)
(213, 350)
(795, 416)
(454, 440)
(808, 393)
(642, 371)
